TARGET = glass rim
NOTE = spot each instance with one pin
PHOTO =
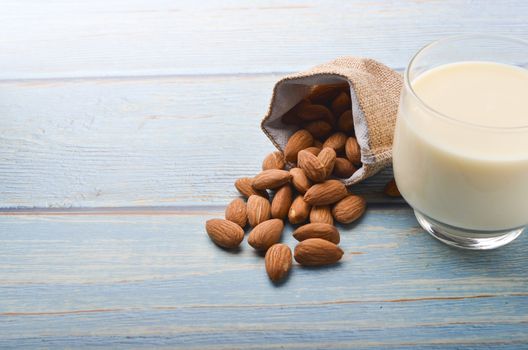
(408, 86)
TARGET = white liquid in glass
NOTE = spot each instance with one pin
(468, 176)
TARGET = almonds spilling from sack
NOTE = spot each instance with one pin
(324, 148)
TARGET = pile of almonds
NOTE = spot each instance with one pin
(324, 148)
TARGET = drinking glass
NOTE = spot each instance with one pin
(467, 181)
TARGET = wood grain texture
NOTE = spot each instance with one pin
(138, 103)
(136, 142)
(137, 37)
(136, 281)
(140, 115)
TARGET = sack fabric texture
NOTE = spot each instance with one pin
(375, 94)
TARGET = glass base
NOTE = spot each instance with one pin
(466, 239)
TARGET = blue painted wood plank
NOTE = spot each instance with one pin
(78, 138)
(156, 37)
(165, 330)
(190, 76)
(135, 142)
(156, 280)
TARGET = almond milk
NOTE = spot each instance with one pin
(461, 153)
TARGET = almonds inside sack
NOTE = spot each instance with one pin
(303, 181)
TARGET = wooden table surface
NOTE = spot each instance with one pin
(123, 125)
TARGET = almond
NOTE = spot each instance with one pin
(274, 160)
(336, 141)
(341, 103)
(278, 261)
(243, 185)
(317, 230)
(345, 122)
(224, 233)
(314, 112)
(326, 93)
(312, 166)
(353, 151)
(272, 178)
(318, 144)
(282, 202)
(297, 142)
(236, 212)
(299, 211)
(319, 128)
(317, 252)
(291, 117)
(266, 234)
(322, 214)
(325, 193)
(313, 150)
(344, 168)
(258, 210)
(299, 180)
(349, 209)
(391, 189)
(327, 157)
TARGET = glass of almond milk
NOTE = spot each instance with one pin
(461, 142)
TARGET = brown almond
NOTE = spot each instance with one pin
(299, 180)
(271, 179)
(323, 94)
(353, 151)
(344, 168)
(291, 117)
(317, 252)
(278, 261)
(319, 128)
(336, 141)
(312, 166)
(349, 209)
(281, 203)
(314, 112)
(274, 160)
(313, 150)
(299, 211)
(345, 122)
(236, 212)
(327, 157)
(328, 192)
(322, 214)
(258, 210)
(341, 103)
(391, 189)
(224, 233)
(243, 185)
(317, 230)
(297, 142)
(266, 234)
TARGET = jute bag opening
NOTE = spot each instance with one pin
(374, 94)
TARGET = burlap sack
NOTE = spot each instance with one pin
(375, 93)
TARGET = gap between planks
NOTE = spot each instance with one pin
(137, 76)
(147, 76)
(257, 306)
(148, 210)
